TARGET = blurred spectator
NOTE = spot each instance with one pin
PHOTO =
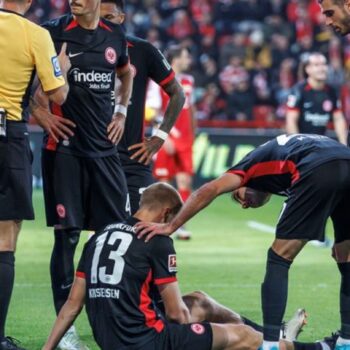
(233, 74)
(240, 101)
(285, 80)
(208, 71)
(234, 43)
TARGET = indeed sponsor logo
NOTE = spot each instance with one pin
(317, 119)
(91, 77)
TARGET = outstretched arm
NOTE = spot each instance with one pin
(150, 146)
(195, 203)
(69, 312)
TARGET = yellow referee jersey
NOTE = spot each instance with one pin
(24, 48)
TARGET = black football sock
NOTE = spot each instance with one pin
(7, 277)
(274, 292)
(252, 324)
(307, 346)
(344, 269)
(62, 264)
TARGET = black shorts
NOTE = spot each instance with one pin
(323, 193)
(16, 174)
(83, 193)
(193, 336)
(138, 177)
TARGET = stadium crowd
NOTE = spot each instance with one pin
(245, 52)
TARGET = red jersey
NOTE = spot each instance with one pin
(182, 131)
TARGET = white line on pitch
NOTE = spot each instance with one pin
(261, 227)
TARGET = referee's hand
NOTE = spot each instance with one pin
(146, 150)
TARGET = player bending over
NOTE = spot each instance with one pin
(314, 172)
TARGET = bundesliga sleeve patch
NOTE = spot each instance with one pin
(56, 66)
(172, 266)
(292, 101)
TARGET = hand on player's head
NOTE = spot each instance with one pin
(250, 198)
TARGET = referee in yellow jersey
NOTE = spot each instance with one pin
(25, 49)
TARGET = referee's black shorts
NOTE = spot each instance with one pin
(323, 193)
(16, 174)
(83, 193)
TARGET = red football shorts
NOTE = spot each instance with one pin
(166, 166)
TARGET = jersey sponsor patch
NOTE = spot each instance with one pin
(61, 211)
(197, 328)
(111, 55)
(56, 66)
(172, 266)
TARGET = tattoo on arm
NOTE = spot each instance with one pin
(177, 100)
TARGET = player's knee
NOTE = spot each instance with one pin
(288, 249)
(9, 231)
(341, 252)
(242, 337)
(67, 239)
(275, 259)
(199, 305)
(184, 181)
(199, 295)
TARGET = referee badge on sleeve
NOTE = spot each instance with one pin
(172, 266)
(56, 66)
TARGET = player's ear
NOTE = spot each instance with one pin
(166, 215)
(122, 18)
(28, 4)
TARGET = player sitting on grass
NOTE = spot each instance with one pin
(115, 280)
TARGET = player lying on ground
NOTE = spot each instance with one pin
(314, 172)
(115, 278)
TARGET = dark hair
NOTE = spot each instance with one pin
(174, 51)
(119, 3)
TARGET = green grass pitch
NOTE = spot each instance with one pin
(225, 258)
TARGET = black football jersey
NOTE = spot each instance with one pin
(121, 272)
(277, 164)
(316, 107)
(95, 55)
(147, 62)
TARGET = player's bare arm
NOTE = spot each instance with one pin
(115, 129)
(340, 127)
(292, 117)
(175, 308)
(57, 127)
(195, 203)
(146, 149)
(54, 125)
(69, 312)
